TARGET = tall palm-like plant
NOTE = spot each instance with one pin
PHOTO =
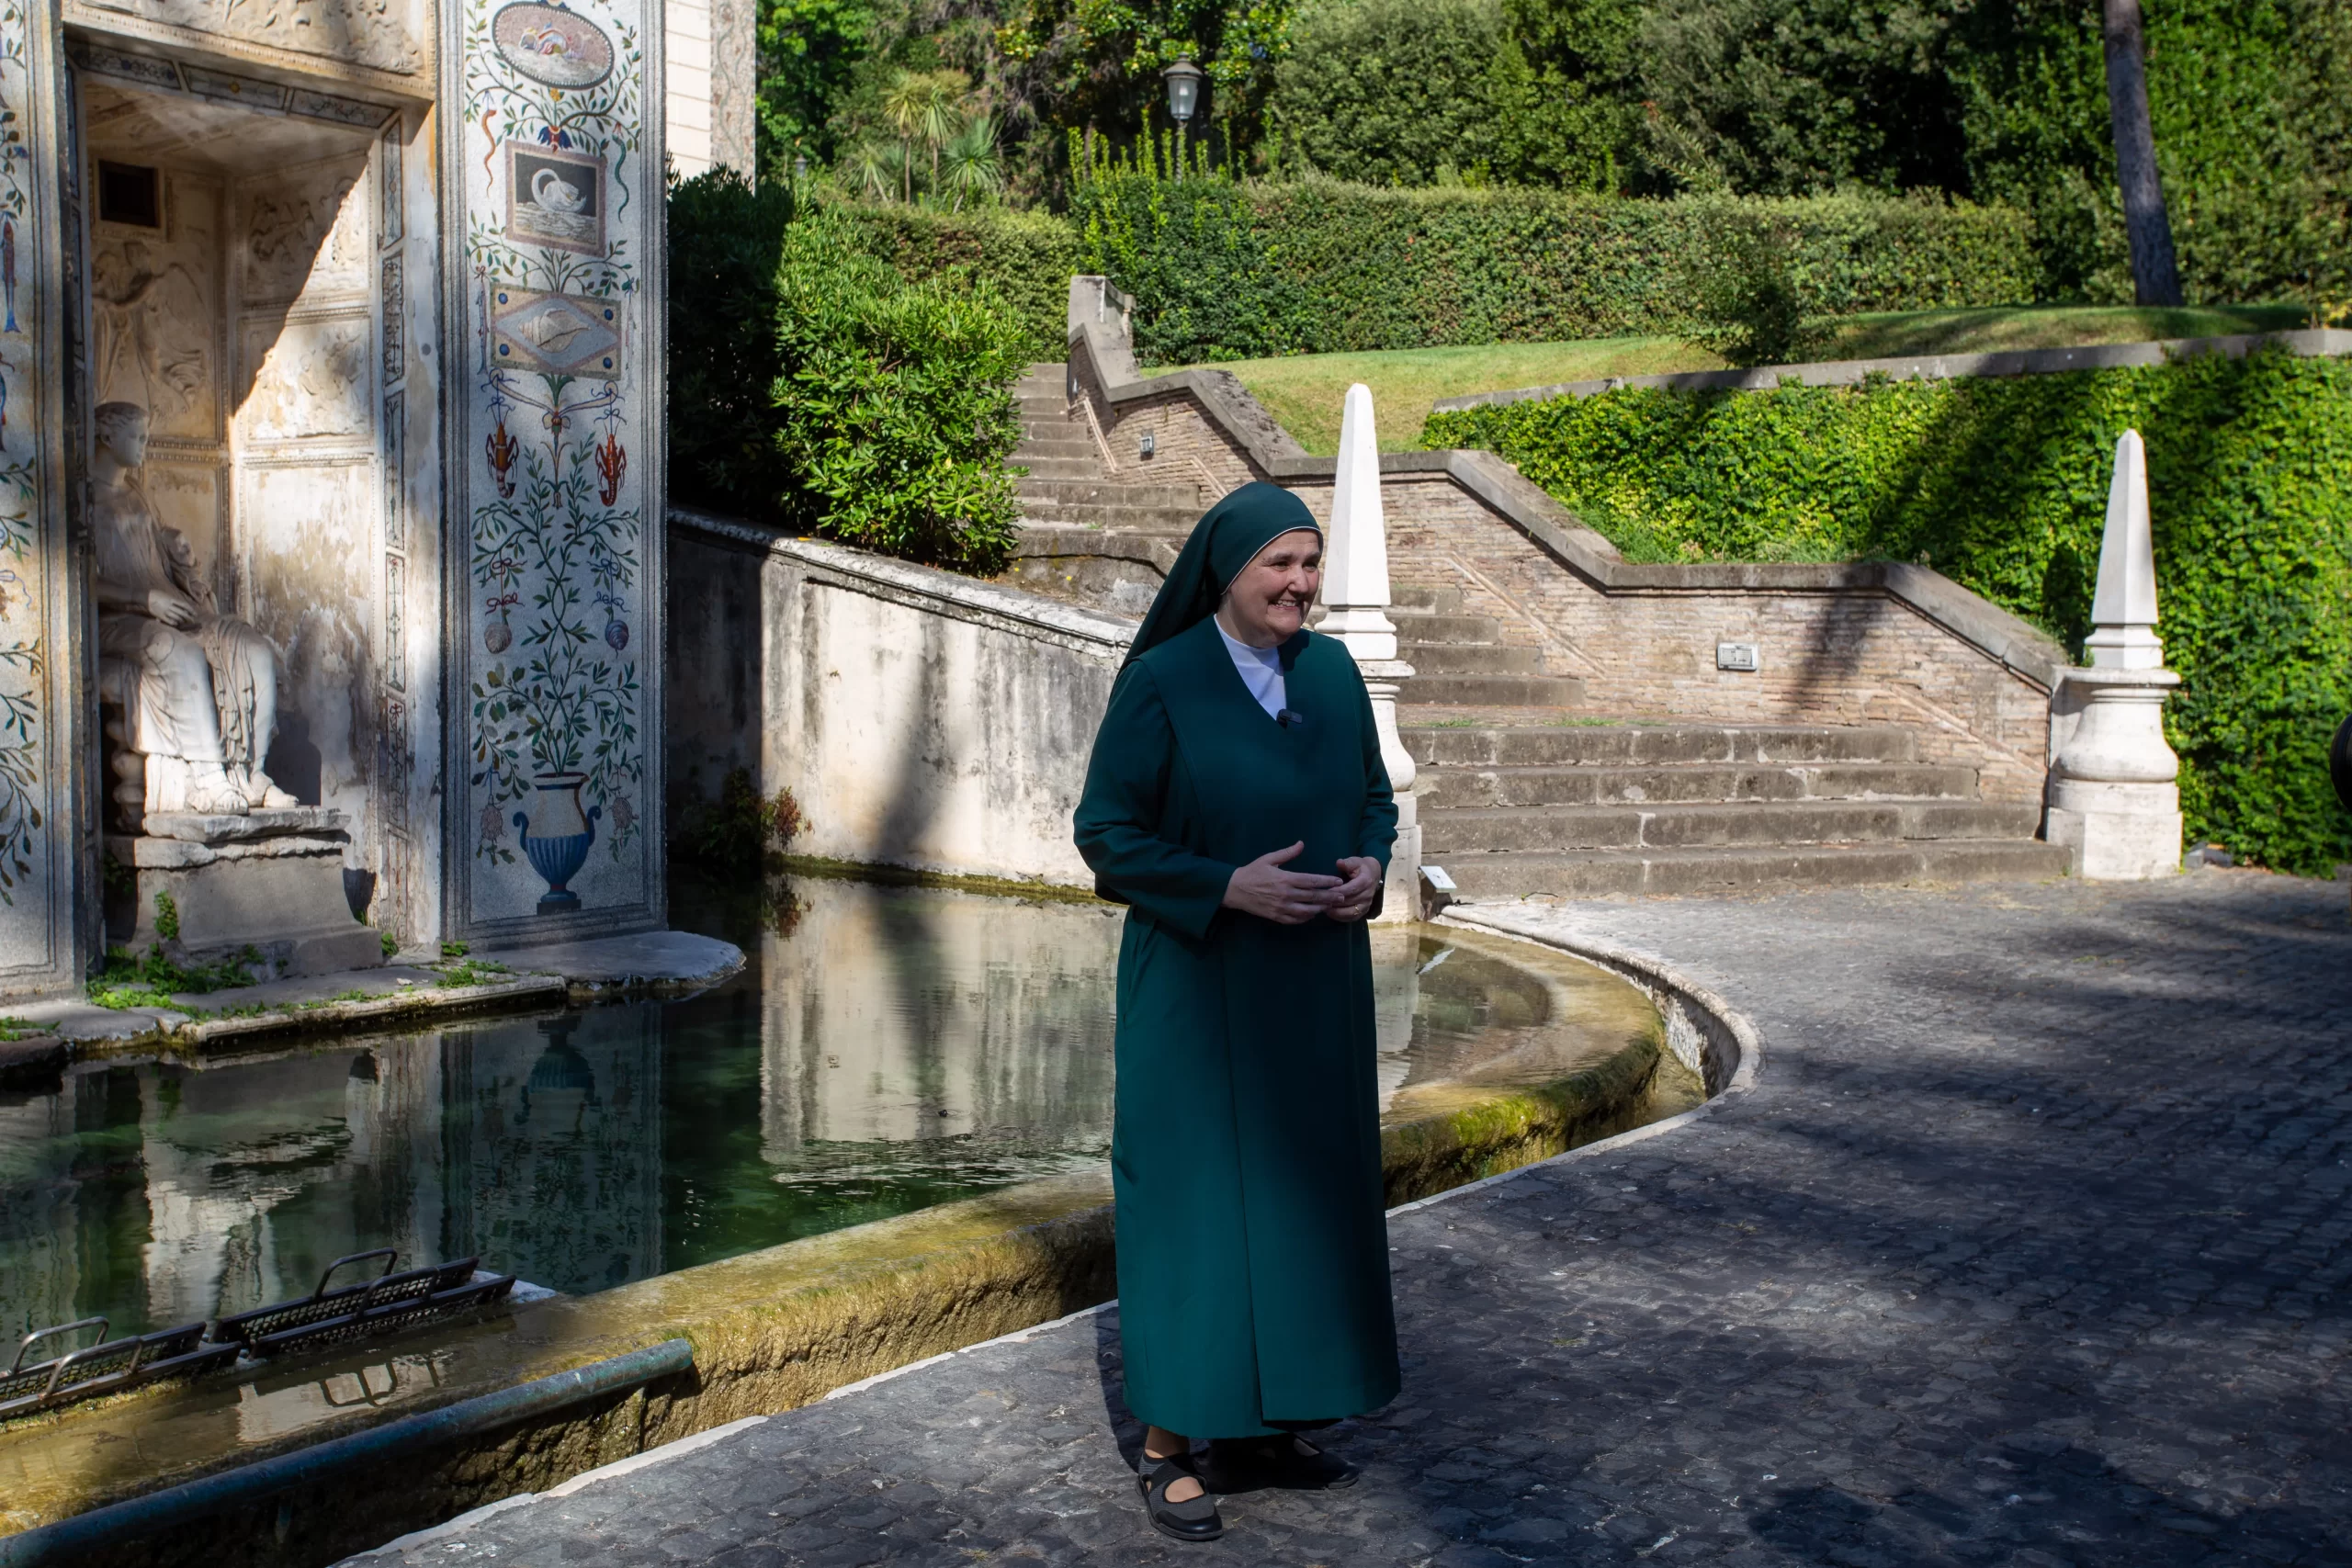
(973, 167)
(902, 106)
(924, 107)
(876, 169)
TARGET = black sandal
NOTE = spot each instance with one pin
(1196, 1519)
(1287, 1461)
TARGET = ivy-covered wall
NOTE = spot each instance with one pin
(2002, 485)
(1224, 270)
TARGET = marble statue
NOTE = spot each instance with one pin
(198, 689)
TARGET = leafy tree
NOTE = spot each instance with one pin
(1095, 64)
(2251, 106)
(2155, 276)
(1388, 92)
(1567, 93)
(1793, 98)
(926, 110)
(809, 53)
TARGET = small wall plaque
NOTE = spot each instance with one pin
(1736, 656)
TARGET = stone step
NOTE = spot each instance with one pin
(1055, 435)
(1064, 541)
(1497, 690)
(1421, 629)
(1177, 520)
(1753, 824)
(1502, 876)
(1556, 745)
(1451, 788)
(1115, 492)
(1429, 659)
(1442, 601)
(1042, 467)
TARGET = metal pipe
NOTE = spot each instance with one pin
(67, 1540)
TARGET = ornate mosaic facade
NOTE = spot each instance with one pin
(558, 269)
(450, 540)
(38, 596)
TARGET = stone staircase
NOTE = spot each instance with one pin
(1522, 792)
(1523, 788)
(1092, 535)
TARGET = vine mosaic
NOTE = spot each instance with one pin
(22, 673)
(554, 108)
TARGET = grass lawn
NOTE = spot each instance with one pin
(1305, 391)
(2047, 326)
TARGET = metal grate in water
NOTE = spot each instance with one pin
(385, 1305)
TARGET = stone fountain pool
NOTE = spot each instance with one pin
(886, 1049)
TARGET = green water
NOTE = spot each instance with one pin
(885, 1048)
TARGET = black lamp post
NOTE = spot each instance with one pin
(1183, 79)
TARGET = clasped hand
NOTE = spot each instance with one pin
(1294, 897)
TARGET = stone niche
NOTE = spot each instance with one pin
(249, 293)
(331, 553)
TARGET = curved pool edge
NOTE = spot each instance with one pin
(1712, 1037)
(771, 1329)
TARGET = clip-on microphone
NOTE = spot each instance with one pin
(1286, 718)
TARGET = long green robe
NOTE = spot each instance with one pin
(1252, 1241)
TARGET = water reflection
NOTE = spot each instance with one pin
(886, 1049)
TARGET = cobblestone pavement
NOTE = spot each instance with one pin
(2029, 1247)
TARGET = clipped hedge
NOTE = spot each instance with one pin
(1226, 270)
(1025, 259)
(2002, 486)
(816, 385)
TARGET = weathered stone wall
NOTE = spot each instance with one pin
(1830, 654)
(921, 720)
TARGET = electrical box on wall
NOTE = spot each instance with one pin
(1736, 656)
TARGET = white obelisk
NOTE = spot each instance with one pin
(2113, 796)
(1355, 601)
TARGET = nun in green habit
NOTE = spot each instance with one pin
(1236, 803)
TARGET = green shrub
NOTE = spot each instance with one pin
(1751, 304)
(741, 831)
(813, 384)
(1025, 258)
(1222, 270)
(894, 413)
(2002, 486)
(724, 240)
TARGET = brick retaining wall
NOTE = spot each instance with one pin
(1843, 643)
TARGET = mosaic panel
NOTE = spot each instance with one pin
(562, 191)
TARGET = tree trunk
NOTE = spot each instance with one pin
(2155, 277)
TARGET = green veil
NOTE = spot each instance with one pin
(1227, 538)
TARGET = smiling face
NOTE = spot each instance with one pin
(1267, 603)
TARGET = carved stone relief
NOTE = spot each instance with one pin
(308, 378)
(305, 533)
(377, 34)
(154, 302)
(306, 237)
(190, 496)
